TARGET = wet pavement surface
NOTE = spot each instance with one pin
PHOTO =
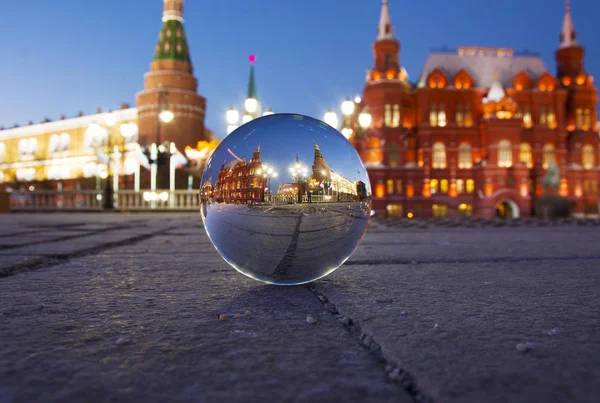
(140, 307)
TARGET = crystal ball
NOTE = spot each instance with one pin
(285, 199)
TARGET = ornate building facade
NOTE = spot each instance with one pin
(79, 152)
(476, 132)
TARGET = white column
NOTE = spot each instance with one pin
(153, 173)
(173, 150)
(117, 162)
(137, 172)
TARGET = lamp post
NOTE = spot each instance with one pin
(110, 120)
(299, 172)
(266, 173)
(164, 116)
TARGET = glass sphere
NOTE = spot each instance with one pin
(285, 199)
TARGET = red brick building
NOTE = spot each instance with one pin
(475, 134)
(239, 182)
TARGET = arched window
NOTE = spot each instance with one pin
(442, 116)
(396, 115)
(468, 116)
(587, 119)
(433, 117)
(588, 159)
(387, 115)
(465, 159)
(439, 156)
(525, 155)
(527, 116)
(579, 118)
(459, 116)
(504, 153)
(548, 156)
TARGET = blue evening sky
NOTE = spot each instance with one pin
(66, 56)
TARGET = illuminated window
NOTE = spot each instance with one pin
(468, 116)
(433, 117)
(387, 115)
(590, 186)
(587, 119)
(444, 186)
(548, 155)
(27, 147)
(527, 122)
(543, 116)
(460, 186)
(441, 116)
(470, 186)
(390, 186)
(394, 210)
(465, 159)
(439, 156)
(433, 186)
(551, 118)
(579, 118)
(504, 153)
(439, 210)
(465, 210)
(588, 159)
(459, 116)
(393, 155)
(399, 186)
(525, 155)
(396, 115)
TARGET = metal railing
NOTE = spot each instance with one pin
(91, 200)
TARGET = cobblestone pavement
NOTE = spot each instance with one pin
(123, 308)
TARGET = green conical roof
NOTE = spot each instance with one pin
(318, 152)
(172, 43)
(252, 84)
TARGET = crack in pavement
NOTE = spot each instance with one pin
(290, 253)
(53, 260)
(395, 373)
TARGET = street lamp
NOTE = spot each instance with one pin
(266, 172)
(110, 119)
(299, 172)
(331, 118)
(348, 107)
(364, 119)
(232, 116)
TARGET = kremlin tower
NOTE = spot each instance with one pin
(170, 85)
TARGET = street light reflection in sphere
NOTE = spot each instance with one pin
(285, 199)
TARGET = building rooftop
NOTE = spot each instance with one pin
(483, 63)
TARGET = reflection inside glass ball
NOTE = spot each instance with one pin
(285, 199)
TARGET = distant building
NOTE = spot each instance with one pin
(477, 130)
(75, 151)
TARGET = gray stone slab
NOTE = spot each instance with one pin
(10, 262)
(123, 329)
(456, 327)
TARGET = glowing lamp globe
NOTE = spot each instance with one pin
(232, 116)
(251, 105)
(347, 107)
(331, 118)
(285, 199)
(166, 116)
(364, 119)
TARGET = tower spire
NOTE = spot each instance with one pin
(252, 80)
(385, 29)
(568, 36)
(172, 43)
(173, 10)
